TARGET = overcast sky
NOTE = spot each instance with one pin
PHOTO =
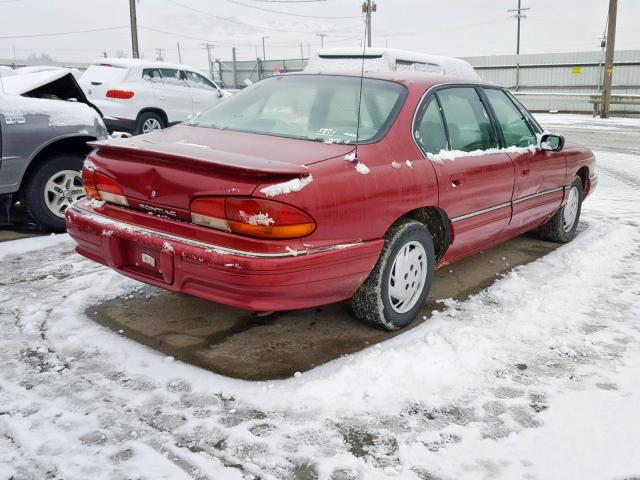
(449, 27)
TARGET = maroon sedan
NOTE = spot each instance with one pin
(303, 190)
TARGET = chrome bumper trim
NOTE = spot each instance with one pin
(208, 247)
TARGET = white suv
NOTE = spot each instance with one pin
(139, 96)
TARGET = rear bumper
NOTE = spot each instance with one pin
(119, 124)
(249, 280)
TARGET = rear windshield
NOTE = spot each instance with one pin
(104, 74)
(312, 107)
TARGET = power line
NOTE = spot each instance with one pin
(57, 34)
(236, 2)
(232, 20)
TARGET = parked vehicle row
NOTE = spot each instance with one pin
(307, 189)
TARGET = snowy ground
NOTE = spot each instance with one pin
(535, 377)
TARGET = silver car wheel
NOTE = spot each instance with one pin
(571, 209)
(408, 277)
(151, 124)
(61, 190)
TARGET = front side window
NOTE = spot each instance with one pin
(515, 129)
(429, 130)
(312, 107)
(196, 80)
(467, 120)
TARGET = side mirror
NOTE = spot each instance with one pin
(551, 143)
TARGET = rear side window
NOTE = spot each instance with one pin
(514, 127)
(152, 74)
(172, 76)
(429, 130)
(467, 120)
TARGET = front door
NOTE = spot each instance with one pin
(174, 95)
(475, 180)
(204, 92)
(540, 174)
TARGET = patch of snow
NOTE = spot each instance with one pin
(285, 188)
(362, 169)
(89, 165)
(409, 164)
(448, 155)
(60, 113)
(351, 156)
(257, 218)
(167, 247)
(197, 145)
(396, 165)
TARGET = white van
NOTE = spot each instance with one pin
(139, 96)
(387, 59)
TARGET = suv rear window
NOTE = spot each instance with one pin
(104, 74)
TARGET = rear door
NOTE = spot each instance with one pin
(204, 92)
(539, 174)
(174, 95)
(454, 129)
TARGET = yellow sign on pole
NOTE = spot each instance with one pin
(576, 69)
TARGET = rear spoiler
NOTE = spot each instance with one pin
(198, 156)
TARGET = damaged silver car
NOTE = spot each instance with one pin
(45, 124)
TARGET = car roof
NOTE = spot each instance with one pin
(134, 62)
(417, 79)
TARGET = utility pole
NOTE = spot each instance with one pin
(134, 29)
(264, 52)
(368, 8)
(301, 52)
(608, 60)
(160, 52)
(235, 67)
(179, 54)
(519, 16)
(321, 35)
(209, 47)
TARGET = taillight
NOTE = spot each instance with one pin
(120, 94)
(109, 190)
(89, 183)
(254, 217)
(101, 187)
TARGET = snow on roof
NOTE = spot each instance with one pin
(136, 62)
(6, 71)
(23, 83)
(377, 59)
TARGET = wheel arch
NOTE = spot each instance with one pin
(74, 143)
(439, 225)
(583, 173)
(155, 110)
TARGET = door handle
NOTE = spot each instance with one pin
(456, 182)
(526, 171)
(162, 97)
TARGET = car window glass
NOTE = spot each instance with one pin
(196, 80)
(316, 107)
(429, 131)
(515, 130)
(467, 120)
(152, 74)
(171, 76)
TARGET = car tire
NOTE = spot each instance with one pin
(562, 227)
(51, 188)
(381, 300)
(149, 122)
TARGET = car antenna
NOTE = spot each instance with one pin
(364, 49)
